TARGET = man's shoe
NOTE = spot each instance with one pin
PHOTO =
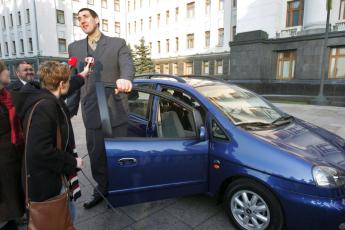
(91, 203)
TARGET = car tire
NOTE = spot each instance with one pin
(251, 206)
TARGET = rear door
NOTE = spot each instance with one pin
(170, 160)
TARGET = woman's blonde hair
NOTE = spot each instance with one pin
(2, 66)
(51, 73)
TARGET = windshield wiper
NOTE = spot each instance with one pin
(283, 120)
(254, 125)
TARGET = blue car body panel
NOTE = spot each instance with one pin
(280, 158)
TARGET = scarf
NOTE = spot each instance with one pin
(17, 136)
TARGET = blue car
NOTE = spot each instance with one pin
(192, 135)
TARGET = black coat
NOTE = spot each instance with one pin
(15, 85)
(46, 164)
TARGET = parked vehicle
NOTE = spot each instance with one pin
(192, 135)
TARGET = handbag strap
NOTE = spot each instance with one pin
(58, 145)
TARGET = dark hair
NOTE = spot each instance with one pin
(92, 12)
(20, 63)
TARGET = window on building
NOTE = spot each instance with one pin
(190, 41)
(234, 3)
(166, 68)
(158, 68)
(174, 69)
(0, 51)
(141, 25)
(207, 39)
(75, 19)
(129, 27)
(134, 4)
(233, 32)
(11, 20)
(14, 48)
(91, 2)
(117, 5)
(207, 7)
(117, 27)
(150, 45)
(105, 25)
(188, 68)
(167, 16)
(294, 15)
(135, 26)
(221, 4)
(104, 4)
(177, 43)
(191, 10)
(62, 45)
(205, 67)
(19, 19)
(31, 48)
(159, 47)
(150, 22)
(286, 65)
(141, 3)
(21, 46)
(27, 15)
(167, 45)
(129, 6)
(176, 13)
(220, 36)
(158, 20)
(342, 10)
(6, 49)
(218, 67)
(60, 16)
(3, 22)
(337, 63)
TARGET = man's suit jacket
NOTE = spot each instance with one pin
(112, 62)
(15, 85)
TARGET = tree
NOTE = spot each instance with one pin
(142, 60)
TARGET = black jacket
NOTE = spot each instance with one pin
(15, 85)
(46, 164)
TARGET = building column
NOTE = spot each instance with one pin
(314, 14)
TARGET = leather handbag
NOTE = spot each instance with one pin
(52, 214)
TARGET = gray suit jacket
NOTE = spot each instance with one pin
(112, 61)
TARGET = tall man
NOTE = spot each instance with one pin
(113, 64)
(25, 73)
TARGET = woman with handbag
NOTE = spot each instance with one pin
(11, 145)
(48, 153)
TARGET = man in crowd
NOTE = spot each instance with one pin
(25, 73)
(113, 64)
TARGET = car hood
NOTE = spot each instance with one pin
(307, 141)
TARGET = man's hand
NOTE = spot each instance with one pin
(123, 86)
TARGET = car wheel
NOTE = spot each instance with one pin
(251, 206)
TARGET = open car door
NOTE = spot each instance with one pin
(165, 154)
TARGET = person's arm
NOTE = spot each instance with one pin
(41, 145)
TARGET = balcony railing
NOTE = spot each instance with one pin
(339, 26)
(288, 33)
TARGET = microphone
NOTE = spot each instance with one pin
(90, 60)
(72, 62)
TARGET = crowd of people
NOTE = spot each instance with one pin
(38, 160)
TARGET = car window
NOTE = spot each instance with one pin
(217, 132)
(179, 94)
(138, 103)
(174, 121)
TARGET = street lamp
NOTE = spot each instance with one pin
(321, 99)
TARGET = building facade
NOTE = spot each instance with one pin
(281, 53)
(35, 31)
(186, 36)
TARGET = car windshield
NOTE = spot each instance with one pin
(240, 105)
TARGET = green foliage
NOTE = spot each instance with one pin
(142, 60)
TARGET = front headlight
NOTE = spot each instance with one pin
(329, 177)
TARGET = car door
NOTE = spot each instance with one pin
(170, 161)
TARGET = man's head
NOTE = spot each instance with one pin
(24, 71)
(88, 20)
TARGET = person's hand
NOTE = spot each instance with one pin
(123, 86)
(86, 70)
(80, 162)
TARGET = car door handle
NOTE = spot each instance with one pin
(127, 161)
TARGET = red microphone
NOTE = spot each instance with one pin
(72, 62)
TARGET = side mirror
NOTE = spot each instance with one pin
(202, 133)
